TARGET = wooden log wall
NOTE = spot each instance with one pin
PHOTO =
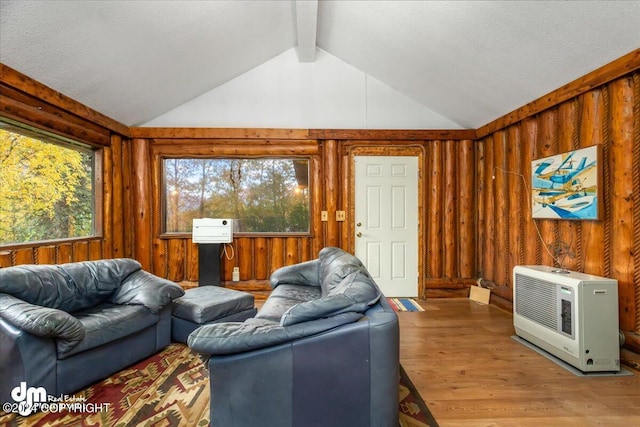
(175, 256)
(607, 115)
(27, 101)
(450, 255)
(446, 202)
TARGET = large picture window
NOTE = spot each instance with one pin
(265, 195)
(46, 187)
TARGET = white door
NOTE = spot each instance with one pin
(386, 221)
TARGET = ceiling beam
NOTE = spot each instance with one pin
(305, 13)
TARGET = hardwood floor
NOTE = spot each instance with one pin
(470, 372)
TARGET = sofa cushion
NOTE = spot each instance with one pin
(144, 288)
(106, 323)
(335, 264)
(304, 273)
(67, 287)
(252, 334)
(284, 297)
(355, 293)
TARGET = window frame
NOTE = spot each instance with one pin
(97, 193)
(162, 202)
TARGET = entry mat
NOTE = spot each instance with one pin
(623, 372)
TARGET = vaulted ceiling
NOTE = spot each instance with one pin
(468, 61)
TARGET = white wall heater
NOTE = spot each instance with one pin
(573, 316)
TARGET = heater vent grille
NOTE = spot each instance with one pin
(536, 300)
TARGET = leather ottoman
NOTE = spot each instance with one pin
(208, 304)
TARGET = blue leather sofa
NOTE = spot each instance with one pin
(322, 351)
(63, 327)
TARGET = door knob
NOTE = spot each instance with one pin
(359, 224)
(359, 234)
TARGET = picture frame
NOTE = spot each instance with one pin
(568, 185)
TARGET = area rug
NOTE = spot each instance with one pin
(169, 389)
(413, 410)
(405, 304)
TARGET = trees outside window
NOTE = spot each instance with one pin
(262, 195)
(46, 187)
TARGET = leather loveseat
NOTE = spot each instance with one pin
(323, 350)
(63, 327)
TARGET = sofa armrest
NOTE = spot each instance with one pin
(304, 273)
(144, 288)
(253, 334)
(42, 321)
(25, 357)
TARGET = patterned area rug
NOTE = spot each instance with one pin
(170, 389)
(405, 304)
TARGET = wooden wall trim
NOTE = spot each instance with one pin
(388, 135)
(17, 80)
(218, 133)
(605, 74)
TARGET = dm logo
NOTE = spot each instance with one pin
(28, 398)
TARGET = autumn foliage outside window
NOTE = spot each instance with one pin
(46, 187)
(265, 195)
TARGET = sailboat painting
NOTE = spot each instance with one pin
(566, 186)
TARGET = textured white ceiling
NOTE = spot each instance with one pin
(470, 62)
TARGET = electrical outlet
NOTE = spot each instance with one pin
(236, 274)
(324, 216)
(341, 216)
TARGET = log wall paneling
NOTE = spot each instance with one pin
(635, 182)
(547, 145)
(127, 197)
(435, 215)
(568, 231)
(292, 255)
(80, 251)
(95, 250)
(607, 116)
(277, 253)
(15, 79)
(531, 240)
(141, 190)
(192, 261)
(26, 109)
(244, 254)
(116, 220)
(516, 191)
(347, 189)
(261, 253)
(466, 209)
(64, 254)
(450, 225)
(481, 209)
(46, 254)
(621, 167)
(501, 218)
(488, 238)
(331, 191)
(176, 259)
(107, 201)
(24, 256)
(592, 133)
(317, 206)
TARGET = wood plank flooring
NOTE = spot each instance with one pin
(470, 372)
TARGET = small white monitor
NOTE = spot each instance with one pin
(212, 230)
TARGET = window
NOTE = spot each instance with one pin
(46, 186)
(261, 195)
